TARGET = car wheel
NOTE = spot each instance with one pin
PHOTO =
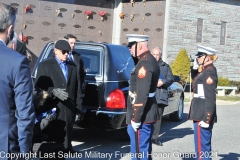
(177, 116)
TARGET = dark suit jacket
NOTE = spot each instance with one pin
(50, 76)
(167, 79)
(17, 112)
(80, 65)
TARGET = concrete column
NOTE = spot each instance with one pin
(165, 35)
(116, 32)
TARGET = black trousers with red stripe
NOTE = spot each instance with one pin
(202, 141)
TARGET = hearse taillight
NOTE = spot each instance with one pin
(116, 100)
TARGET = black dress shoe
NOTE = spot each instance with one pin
(157, 142)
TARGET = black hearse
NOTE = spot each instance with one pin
(108, 70)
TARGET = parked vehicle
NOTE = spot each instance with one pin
(107, 84)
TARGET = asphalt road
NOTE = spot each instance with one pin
(177, 138)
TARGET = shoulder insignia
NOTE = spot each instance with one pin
(141, 72)
(209, 80)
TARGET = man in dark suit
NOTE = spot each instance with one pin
(59, 78)
(165, 80)
(17, 112)
(76, 58)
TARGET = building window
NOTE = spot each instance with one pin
(223, 33)
(199, 30)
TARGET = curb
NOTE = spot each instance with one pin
(221, 102)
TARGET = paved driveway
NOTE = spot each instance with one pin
(177, 138)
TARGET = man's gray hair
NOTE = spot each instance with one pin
(7, 16)
(158, 48)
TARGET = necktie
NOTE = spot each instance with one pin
(64, 70)
(70, 57)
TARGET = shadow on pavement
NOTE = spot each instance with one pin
(98, 141)
(232, 156)
(97, 144)
(168, 132)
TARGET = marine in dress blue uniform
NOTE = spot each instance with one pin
(142, 111)
(203, 106)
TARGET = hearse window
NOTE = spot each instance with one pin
(91, 60)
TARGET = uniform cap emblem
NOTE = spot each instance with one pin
(141, 72)
(209, 80)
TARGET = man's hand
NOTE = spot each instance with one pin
(160, 83)
(195, 64)
(60, 93)
(203, 124)
(135, 125)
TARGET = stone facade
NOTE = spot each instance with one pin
(172, 25)
(148, 19)
(41, 23)
(182, 31)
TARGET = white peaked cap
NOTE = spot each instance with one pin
(137, 38)
(207, 50)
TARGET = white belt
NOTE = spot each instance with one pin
(133, 95)
(198, 96)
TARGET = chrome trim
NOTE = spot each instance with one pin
(107, 112)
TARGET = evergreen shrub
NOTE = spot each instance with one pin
(181, 66)
(226, 82)
(235, 84)
(223, 81)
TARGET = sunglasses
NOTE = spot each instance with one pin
(131, 44)
(201, 56)
(64, 51)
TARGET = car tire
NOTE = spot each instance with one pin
(177, 116)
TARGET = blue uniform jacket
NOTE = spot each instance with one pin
(17, 112)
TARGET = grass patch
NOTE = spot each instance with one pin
(228, 98)
(187, 100)
(224, 98)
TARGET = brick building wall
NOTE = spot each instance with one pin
(178, 31)
(41, 24)
(148, 19)
(182, 31)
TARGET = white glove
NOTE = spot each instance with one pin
(135, 125)
(203, 124)
(195, 64)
